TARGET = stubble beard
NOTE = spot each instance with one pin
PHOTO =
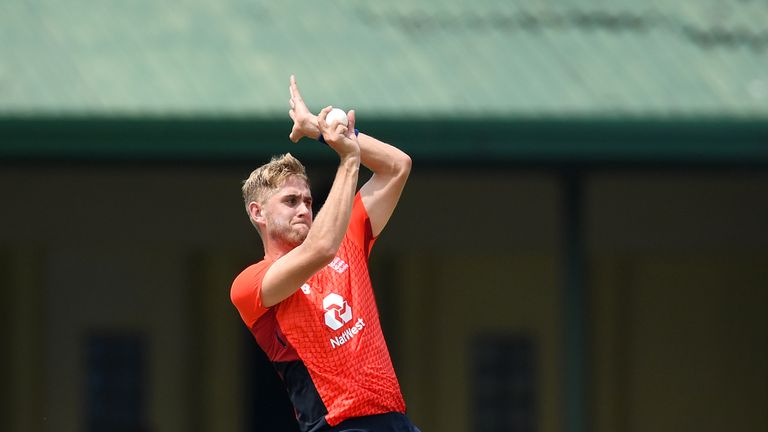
(286, 234)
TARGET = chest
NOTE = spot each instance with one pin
(342, 277)
(332, 299)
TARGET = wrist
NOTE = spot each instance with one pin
(352, 157)
(322, 139)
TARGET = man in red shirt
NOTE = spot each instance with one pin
(309, 303)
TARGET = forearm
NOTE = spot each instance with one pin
(382, 158)
(322, 242)
(331, 223)
(377, 156)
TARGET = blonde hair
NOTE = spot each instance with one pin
(266, 179)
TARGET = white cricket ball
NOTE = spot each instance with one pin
(337, 114)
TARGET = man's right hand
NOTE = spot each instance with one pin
(339, 137)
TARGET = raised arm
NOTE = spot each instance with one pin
(390, 166)
(381, 193)
(289, 271)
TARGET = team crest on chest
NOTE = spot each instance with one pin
(338, 265)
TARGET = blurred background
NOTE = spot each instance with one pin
(582, 245)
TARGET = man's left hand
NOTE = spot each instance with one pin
(304, 122)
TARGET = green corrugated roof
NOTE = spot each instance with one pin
(574, 58)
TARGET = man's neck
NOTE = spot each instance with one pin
(275, 249)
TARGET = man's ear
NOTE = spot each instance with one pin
(256, 212)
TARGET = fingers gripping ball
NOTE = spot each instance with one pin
(337, 114)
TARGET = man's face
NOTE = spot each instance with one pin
(288, 212)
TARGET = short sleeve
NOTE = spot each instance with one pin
(246, 292)
(360, 230)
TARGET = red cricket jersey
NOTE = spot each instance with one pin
(325, 340)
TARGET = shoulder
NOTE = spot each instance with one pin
(248, 282)
(359, 219)
(360, 230)
(246, 292)
(254, 268)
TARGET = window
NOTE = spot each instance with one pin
(502, 383)
(116, 377)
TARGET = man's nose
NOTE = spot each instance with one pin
(303, 209)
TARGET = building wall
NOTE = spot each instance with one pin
(679, 278)
(477, 256)
(123, 250)
(677, 289)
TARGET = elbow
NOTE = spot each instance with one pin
(403, 165)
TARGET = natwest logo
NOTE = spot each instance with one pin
(348, 334)
(337, 311)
